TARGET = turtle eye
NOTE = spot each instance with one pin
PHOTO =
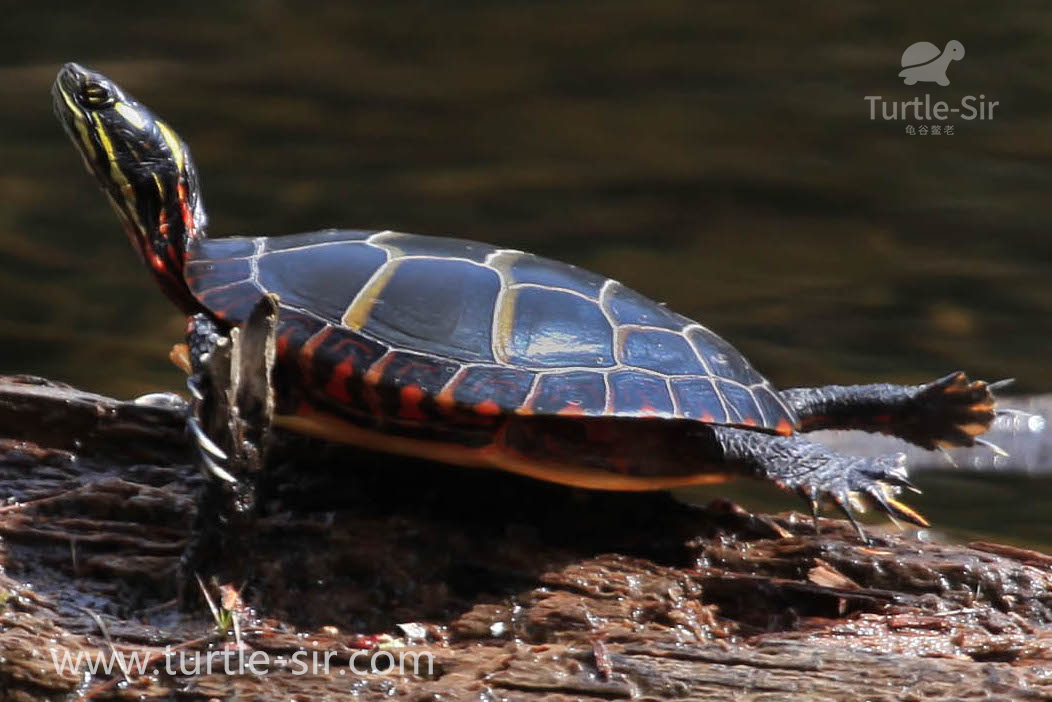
(94, 95)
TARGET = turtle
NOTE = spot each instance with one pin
(924, 62)
(480, 356)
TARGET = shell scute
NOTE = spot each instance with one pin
(442, 306)
(661, 352)
(573, 393)
(640, 394)
(552, 329)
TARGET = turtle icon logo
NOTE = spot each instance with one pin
(924, 62)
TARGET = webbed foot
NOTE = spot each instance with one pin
(950, 412)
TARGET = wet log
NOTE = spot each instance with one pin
(512, 589)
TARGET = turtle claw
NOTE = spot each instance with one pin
(876, 482)
(205, 444)
(216, 470)
(858, 483)
(208, 453)
(1000, 384)
(947, 456)
(844, 502)
(876, 494)
(193, 384)
(811, 497)
(993, 447)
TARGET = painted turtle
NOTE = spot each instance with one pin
(480, 356)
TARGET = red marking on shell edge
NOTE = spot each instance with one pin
(784, 427)
(372, 378)
(488, 408)
(749, 422)
(411, 396)
(444, 401)
(283, 343)
(882, 419)
(306, 354)
(571, 410)
(707, 417)
(337, 385)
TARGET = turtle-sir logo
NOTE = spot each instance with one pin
(923, 62)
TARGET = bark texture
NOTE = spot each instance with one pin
(518, 590)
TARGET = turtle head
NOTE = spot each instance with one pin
(142, 165)
(954, 50)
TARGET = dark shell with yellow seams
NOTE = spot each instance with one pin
(421, 328)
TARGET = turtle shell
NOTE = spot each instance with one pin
(920, 53)
(419, 328)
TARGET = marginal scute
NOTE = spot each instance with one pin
(232, 303)
(572, 393)
(507, 387)
(408, 384)
(697, 399)
(741, 403)
(776, 413)
(340, 361)
(640, 394)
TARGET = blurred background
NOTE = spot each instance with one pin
(720, 158)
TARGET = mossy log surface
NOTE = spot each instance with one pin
(518, 590)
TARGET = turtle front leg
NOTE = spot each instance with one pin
(947, 413)
(818, 474)
(202, 339)
(231, 418)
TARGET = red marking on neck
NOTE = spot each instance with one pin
(184, 207)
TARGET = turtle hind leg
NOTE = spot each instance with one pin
(945, 413)
(819, 474)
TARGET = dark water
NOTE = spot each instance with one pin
(720, 158)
